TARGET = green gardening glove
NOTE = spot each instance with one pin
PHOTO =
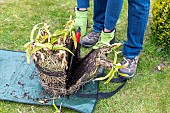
(81, 21)
(105, 39)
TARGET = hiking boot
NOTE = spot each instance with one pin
(91, 39)
(105, 39)
(130, 69)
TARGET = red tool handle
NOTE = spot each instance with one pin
(78, 34)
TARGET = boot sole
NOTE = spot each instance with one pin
(86, 45)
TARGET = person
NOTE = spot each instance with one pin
(106, 14)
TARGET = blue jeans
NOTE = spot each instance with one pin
(106, 14)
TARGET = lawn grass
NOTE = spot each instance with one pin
(148, 92)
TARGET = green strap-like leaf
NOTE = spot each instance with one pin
(71, 27)
(51, 47)
(74, 39)
(28, 51)
(59, 32)
(56, 109)
(45, 26)
(122, 74)
(46, 45)
(37, 38)
(32, 32)
(122, 66)
(53, 40)
(111, 76)
(44, 38)
(105, 77)
(36, 49)
(28, 54)
(118, 66)
(58, 47)
(115, 57)
(65, 36)
(27, 44)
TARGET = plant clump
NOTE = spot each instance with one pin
(60, 74)
(161, 23)
(48, 50)
(51, 54)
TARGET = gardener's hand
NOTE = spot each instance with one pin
(105, 39)
(81, 21)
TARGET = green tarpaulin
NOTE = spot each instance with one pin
(20, 83)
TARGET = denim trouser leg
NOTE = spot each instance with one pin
(82, 3)
(106, 14)
(112, 13)
(99, 15)
(138, 11)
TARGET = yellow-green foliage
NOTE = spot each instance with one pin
(161, 23)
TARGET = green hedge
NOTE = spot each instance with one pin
(161, 23)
